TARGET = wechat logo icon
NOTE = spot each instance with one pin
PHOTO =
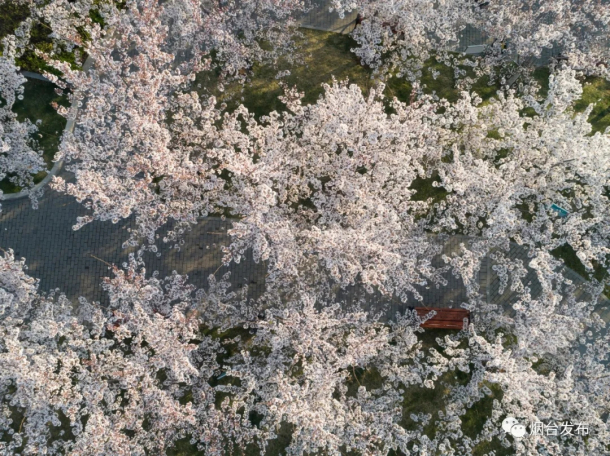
(513, 427)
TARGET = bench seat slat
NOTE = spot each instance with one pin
(443, 318)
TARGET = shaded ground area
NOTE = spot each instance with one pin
(36, 106)
(73, 261)
(320, 18)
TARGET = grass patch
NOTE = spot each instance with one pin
(184, 447)
(567, 254)
(11, 15)
(541, 76)
(437, 78)
(425, 190)
(595, 90)
(36, 105)
(324, 55)
(484, 448)
(430, 401)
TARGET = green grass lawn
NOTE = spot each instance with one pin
(36, 105)
(324, 55)
(595, 90)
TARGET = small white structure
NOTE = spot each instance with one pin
(475, 49)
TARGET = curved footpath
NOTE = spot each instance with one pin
(71, 260)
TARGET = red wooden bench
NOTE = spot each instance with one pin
(444, 318)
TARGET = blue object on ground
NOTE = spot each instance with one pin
(222, 375)
(560, 211)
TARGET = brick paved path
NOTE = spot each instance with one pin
(63, 258)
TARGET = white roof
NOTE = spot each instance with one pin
(475, 49)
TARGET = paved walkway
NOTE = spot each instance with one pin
(70, 260)
(63, 258)
(319, 18)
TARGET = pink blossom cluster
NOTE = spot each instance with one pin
(328, 195)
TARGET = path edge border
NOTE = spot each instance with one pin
(58, 164)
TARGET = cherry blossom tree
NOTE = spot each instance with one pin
(329, 185)
(310, 184)
(304, 380)
(178, 38)
(63, 18)
(131, 378)
(143, 373)
(326, 194)
(536, 364)
(547, 325)
(507, 169)
(399, 36)
(122, 140)
(133, 119)
(242, 32)
(19, 158)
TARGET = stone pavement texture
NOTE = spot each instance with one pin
(71, 260)
(320, 18)
(74, 261)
